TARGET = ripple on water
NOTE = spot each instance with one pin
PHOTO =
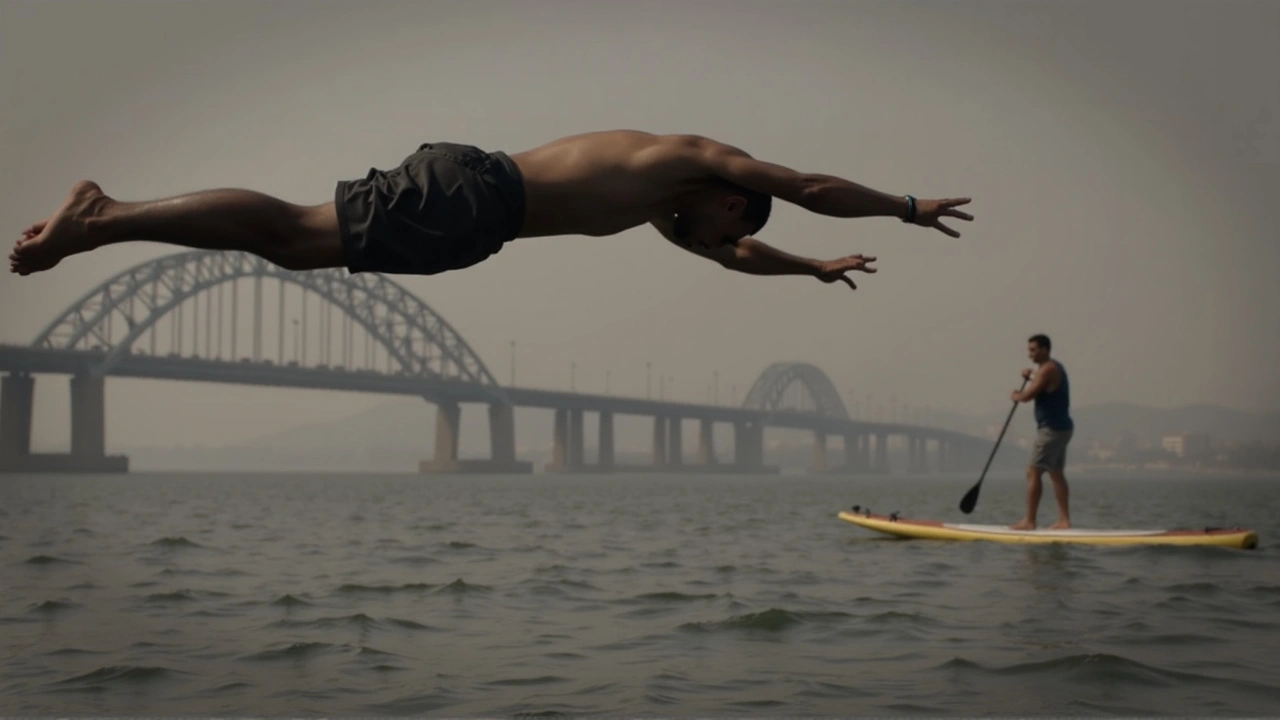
(112, 676)
(771, 620)
(526, 681)
(358, 621)
(70, 651)
(416, 703)
(667, 596)
(175, 543)
(51, 607)
(170, 598)
(1093, 670)
(49, 560)
(292, 651)
(358, 589)
(461, 587)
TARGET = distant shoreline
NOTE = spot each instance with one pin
(1173, 470)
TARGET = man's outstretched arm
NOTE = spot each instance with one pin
(754, 257)
(822, 194)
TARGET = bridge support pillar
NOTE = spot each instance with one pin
(748, 446)
(850, 451)
(502, 443)
(659, 441)
(577, 434)
(502, 434)
(17, 400)
(881, 462)
(88, 416)
(560, 447)
(706, 442)
(560, 442)
(569, 453)
(448, 417)
(605, 445)
(916, 448)
(675, 442)
(88, 429)
(819, 452)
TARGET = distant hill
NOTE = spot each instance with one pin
(1109, 420)
(398, 424)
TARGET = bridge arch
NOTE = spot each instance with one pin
(769, 388)
(419, 341)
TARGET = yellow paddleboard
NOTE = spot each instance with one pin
(933, 530)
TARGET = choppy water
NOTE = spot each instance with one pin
(619, 595)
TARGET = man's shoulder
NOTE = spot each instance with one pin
(633, 141)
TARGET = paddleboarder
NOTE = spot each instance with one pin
(1048, 386)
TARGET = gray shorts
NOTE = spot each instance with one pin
(1050, 450)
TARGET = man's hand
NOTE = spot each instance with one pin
(929, 212)
(1026, 374)
(830, 271)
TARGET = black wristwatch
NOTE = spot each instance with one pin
(911, 209)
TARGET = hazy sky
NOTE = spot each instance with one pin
(1123, 159)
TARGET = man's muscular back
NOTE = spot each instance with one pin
(702, 195)
(603, 183)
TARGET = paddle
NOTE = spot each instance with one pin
(971, 498)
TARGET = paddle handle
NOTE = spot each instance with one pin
(1002, 432)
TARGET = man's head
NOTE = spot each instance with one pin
(722, 216)
(1038, 348)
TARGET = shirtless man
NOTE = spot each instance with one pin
(449, 206)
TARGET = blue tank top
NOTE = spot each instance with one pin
(1053, 409)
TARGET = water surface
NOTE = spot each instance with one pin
(290, 594)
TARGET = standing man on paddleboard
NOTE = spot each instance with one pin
(1048, 386)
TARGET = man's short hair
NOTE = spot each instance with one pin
(1042, 341)
(756, 213)
(759, 205)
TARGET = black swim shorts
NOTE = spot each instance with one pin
(445, 207)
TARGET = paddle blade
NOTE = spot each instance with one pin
(970, 499)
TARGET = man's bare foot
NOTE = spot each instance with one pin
(1063, 524)
(65, 233)
(1023, 525)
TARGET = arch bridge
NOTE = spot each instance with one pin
(236, 318)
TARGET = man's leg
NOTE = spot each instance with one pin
(1058, 461)
(295, 237)
(1060, 492)
(1034, 489)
